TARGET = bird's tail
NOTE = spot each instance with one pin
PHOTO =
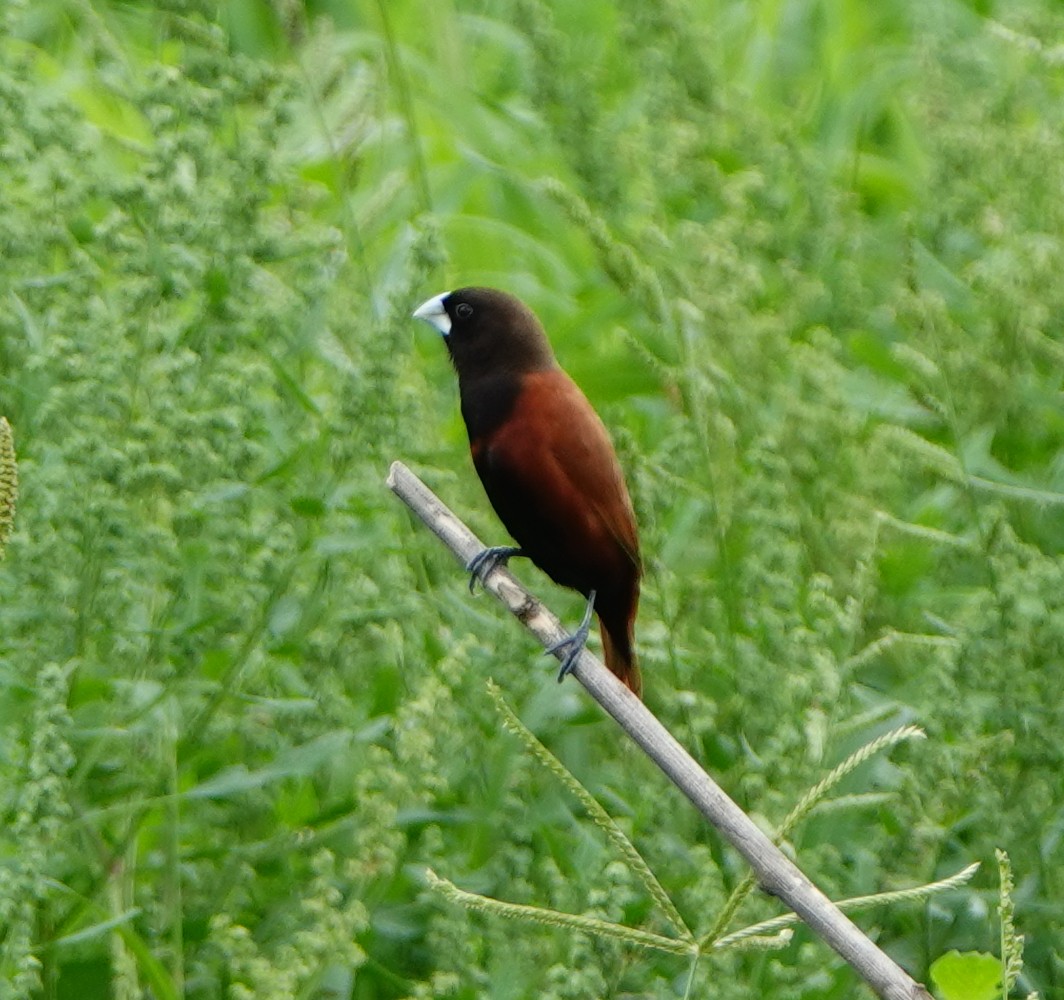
(619, 655)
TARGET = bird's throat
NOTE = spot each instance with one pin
(487, 401)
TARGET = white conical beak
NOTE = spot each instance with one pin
(433, 313)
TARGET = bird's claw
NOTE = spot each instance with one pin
(487, 560)
(574, 644)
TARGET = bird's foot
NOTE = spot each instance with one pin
(574, 644)
(486, 560)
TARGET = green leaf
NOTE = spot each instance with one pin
(296, 762)
(970, 975)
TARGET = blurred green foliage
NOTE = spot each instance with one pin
(806, 260)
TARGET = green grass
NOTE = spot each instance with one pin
(805, 260)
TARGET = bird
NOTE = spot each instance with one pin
(547, 465)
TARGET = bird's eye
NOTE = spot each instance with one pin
(463, 310)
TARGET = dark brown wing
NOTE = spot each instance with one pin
(552, 476)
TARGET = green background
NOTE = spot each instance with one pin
(805, 258)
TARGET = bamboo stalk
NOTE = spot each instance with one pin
(775, 872)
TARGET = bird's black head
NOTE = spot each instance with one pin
(488, 332)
